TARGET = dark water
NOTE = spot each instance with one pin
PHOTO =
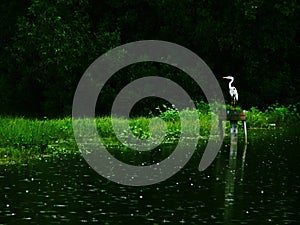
(259, 186)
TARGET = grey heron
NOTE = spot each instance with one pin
(232, 91)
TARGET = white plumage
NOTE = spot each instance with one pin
(232, 91)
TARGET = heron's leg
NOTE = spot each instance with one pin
(234, 102)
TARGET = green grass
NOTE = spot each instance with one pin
(22, 138)
(273, 116)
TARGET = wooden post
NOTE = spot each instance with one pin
(234, 116)
(245, 131)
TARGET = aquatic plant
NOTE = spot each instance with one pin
(23, 138)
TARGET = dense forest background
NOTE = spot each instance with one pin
(46, 45)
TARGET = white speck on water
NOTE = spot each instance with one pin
(213, 217)
(27, 218)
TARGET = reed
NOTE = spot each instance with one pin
(22, 138)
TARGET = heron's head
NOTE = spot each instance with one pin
(229, 77)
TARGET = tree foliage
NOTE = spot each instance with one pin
(52, 47)
(48, 45)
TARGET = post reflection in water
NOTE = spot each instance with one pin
(243, 161)
(231, 176)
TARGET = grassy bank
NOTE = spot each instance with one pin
(26, 138)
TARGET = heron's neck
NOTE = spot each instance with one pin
(230, 83)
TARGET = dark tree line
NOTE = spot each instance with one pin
(46, 45)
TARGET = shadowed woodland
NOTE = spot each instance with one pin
(47, 45)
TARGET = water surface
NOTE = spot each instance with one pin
(258, 186)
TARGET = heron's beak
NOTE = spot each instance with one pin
(225, 77)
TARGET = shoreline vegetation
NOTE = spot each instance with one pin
(23, 139)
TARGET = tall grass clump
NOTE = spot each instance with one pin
(172, 117)
(274, 116)
(22, 137)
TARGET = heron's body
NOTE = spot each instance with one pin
(232, 91)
